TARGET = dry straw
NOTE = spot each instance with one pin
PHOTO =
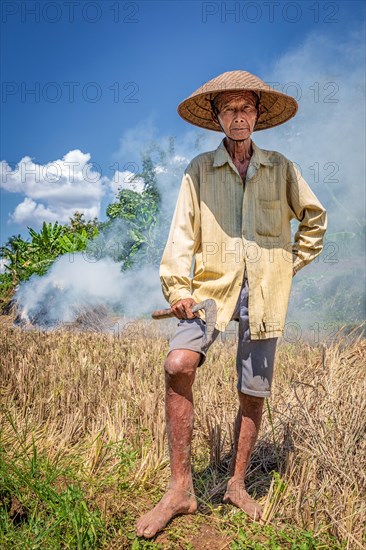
(78, 394)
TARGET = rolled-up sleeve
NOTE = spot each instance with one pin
(306, 208)
(183, 241)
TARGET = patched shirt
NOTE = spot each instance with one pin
(220, 227)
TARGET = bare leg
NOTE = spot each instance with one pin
(247, 425)
(180, 369)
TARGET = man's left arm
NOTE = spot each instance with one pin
(308, 241)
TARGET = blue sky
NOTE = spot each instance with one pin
(129, 65)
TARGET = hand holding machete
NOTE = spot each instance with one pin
(209, 307)
(183, 309)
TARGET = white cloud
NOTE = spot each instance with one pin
(54, 191)
(29, 211)
(43, 181)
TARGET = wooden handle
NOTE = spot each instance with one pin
(162, 313)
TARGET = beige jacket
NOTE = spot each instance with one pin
(225, 229)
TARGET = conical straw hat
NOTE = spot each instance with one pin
(278, 107)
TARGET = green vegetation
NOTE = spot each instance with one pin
(254, 537)
(43, 504)
(23, 258)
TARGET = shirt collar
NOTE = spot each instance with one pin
(260, 156)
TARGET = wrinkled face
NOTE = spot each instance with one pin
(237, 113)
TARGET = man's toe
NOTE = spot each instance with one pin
(140, 527)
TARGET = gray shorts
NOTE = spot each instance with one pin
(254, 359)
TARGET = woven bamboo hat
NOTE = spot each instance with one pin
(277, 107)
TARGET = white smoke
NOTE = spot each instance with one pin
(76, 282)
(327, 137)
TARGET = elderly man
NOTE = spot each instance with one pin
(232, 219)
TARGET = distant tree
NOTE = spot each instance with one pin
(130, 233)
(78, 223)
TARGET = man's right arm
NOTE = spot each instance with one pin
(183, 242)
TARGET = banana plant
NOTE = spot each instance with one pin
(25, 258)
(47, 239)
(17, 256)
(73, 242)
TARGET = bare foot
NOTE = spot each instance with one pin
(237, 495)
(174, 502)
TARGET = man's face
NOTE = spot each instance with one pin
(237, 113)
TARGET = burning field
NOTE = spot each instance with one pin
(83, 444)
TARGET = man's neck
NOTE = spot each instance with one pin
(239, 150)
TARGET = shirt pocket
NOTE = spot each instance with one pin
(268, 218)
